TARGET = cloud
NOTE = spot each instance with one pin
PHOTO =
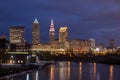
(85, 18)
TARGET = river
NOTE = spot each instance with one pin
(73, 71)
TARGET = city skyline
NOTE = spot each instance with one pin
(56, 34)
(85, 19)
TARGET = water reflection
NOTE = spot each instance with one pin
(27, 77)
(94, 71)
(73, 71)
(52, 73)
(111, 72)
(80, 71)
(68, 70)
(12, 79)
(37, 75)
(76, 71)
(98, 76)
(63, 71)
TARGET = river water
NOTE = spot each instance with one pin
(73, 71)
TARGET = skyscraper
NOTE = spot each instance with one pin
(63, 34)
(17, 38)
(52, 32)
(35, 32)
(16, 35)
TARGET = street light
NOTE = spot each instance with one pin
(27, 59)
(12, 59)
(97, 49)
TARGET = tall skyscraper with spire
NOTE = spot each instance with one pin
(35, 32)
(52, 32)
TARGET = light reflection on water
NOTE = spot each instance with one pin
(37, 75)
(98, 76)
(68, 70)
(80, 71)
(74, 71)
(111, 72)
(27, 77)
(51, 73)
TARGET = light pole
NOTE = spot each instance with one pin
(11, 59)
(27, 59)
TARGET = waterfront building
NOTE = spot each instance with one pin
(41, 47)
(35, 32)
(54, 44)
(80, 46)
(63, 37)
(17, 41)
(51, 32)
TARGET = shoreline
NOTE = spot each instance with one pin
(110, 60)
(9, 71)
(18, 69)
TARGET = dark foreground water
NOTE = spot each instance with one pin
(73, 71)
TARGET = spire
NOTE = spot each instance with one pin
(52, 22)
(52, 26)
(36, 21)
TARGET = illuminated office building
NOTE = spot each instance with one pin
(63, 34)
(17, 41)
(35, 33)
(52, 32)
(80, 45)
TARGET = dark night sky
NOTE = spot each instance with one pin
(98, 19)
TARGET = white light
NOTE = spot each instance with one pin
(27, 57)
(27, 77)
(12, 56)
(13, 62)
(97, 49)
(10, 61)
(22, 61)
(18, 61)
(36, 75)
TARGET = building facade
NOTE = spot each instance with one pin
(17, 41)
(78, 45)
(52, 32)
(35, 33)
(63, 34)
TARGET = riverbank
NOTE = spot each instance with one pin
(111, 60)
(108, 59)
(8, 70)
